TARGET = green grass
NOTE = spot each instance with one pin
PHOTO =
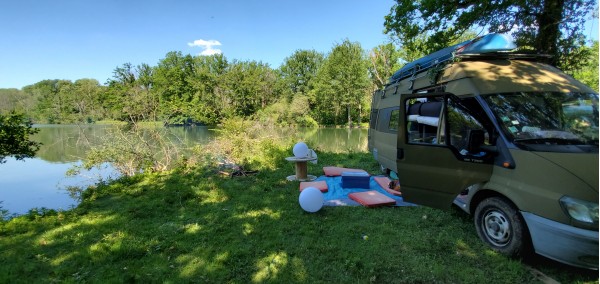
(198, 226)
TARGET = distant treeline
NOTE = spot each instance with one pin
(308, 89)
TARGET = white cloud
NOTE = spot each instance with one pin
(211, 51)
(207, 45)
(204, 43)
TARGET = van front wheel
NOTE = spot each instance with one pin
(499, 224)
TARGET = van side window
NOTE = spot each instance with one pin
(460, 124)
(387, 120)
(446, 121)
(394, 120)
(423, 122)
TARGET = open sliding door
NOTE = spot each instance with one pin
(434, 163)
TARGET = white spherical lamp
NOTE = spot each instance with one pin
(311, 199)
(300, 150)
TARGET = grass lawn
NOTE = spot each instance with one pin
(199, 226)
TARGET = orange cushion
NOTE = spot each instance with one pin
(320, 185)
(371, 198)
(384, 182)
(337, 171)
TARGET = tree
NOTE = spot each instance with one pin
(10, 99)
(14, 137)
(553, 27)
(588, 74)
(299, 69)
(208, 82)
(130, 94)
(250, 86)
(172, 84)
(53, 98)
(86, 100)
(384, 60)
(342, 83)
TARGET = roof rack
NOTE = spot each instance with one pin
(486, 45)
(503, 55)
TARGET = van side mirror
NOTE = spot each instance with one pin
(476, 138)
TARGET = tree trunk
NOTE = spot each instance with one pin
(349, 116)
(360, 114)
(549, 32)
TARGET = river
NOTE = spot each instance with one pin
(41, 182)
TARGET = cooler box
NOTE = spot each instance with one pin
(355, 180)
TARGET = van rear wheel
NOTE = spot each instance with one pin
(500, 225)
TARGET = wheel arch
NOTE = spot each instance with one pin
(488, 193)
(482, 194)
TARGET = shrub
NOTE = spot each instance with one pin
(132, 149)
(245, 143)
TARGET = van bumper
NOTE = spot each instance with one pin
(563, 243)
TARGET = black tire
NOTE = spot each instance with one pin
(500, 225)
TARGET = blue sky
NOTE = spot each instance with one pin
(74, 39)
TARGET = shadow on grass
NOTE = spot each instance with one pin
(199, 227)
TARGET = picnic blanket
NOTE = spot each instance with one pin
(338, 196)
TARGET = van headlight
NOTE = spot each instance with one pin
(580, 210)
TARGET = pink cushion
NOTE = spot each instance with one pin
(320, 185)
(371, 198)
(337, 171)
(384, 182)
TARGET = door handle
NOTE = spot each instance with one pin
(400, 154)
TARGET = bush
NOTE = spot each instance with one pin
(240, 143)
(132, 149)
(245, 143)
(306, 121)
(286, 114)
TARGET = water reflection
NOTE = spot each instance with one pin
(69, 143)
(336, 140)
(32, 183)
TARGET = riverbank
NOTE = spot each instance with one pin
(194, 225)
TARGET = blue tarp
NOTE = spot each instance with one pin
(338, 196)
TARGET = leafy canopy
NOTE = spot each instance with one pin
(342, 84)
(299, 69)
(553, 27)
(384, 60)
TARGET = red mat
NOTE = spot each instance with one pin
(337, 171)
(371, 198)
(321, 185)
(384, 182)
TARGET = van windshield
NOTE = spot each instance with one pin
(547, 121)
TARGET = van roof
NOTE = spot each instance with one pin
(469, 77)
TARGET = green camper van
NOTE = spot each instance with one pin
(505, 137)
